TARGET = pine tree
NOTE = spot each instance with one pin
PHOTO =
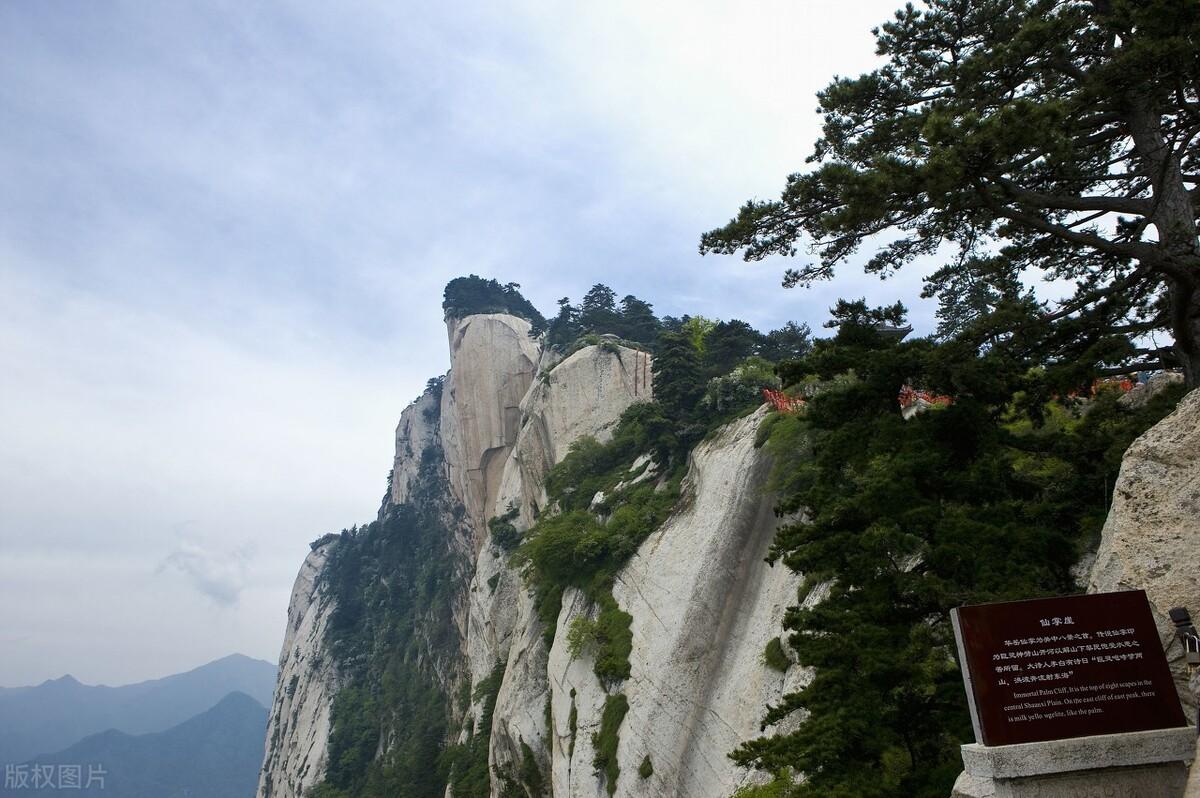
(598, 310)
(564, 328)
(1064, 132)
(792, 341)
(638, 322)
(990, 498)
(729, 343)
(678, 384)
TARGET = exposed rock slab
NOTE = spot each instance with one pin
(520, 718)
(583, 395)
(703, 602)
(298, 728)
(1151, 540)
(493, 361)
(417, 430)
(704, 606)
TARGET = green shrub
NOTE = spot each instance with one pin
(775, 657)
(614, 641)
(606, 740)
(504, 534)
(646, 769)
(326, 790)
(810, 583)
(728, 394)
(782, 785)
(609, 634)
(572, 724)
(467, 763)
(530, 774)
(548, 601)
(581, 634)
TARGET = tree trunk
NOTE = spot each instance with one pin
(1174, 218)
(1189, 314)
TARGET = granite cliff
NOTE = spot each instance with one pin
(703, 602)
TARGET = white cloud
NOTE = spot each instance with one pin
(220, 575)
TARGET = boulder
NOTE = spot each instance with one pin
(1151, 540)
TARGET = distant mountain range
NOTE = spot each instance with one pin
(61, 712)
(213, 755)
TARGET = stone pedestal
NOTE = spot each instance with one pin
(1148, 764)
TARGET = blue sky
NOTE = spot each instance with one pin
(224, 232)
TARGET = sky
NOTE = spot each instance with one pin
(224, 232)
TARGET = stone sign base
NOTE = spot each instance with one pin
(1148, 764)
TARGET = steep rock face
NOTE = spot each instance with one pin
(469, 422)
(583, 395)
(703, 602)
(298, 727)
(296, 755)
(519, 725)
(417, 430)
(704, 606)
(493, 361)
(1151, 539)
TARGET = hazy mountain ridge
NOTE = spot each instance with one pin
(60, 712)
(215, 754)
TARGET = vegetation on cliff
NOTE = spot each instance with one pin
(600, 314)
(465, 296)
(994, 496)
(394, 581)
(1026, 137)
(466, 764)
(584, 546)
(603, 503)
(700, 382)
(605, 741)
(705, 373)
(395, 645)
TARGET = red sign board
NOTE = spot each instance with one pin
(1054, 668)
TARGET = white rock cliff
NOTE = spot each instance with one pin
(1151, 540)
(704, 605)
(298, 727)
(492, 363)
(703, 601)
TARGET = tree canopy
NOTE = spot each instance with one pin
(599, 313)
(1060, 135)
(991, 497)
(474, 294)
